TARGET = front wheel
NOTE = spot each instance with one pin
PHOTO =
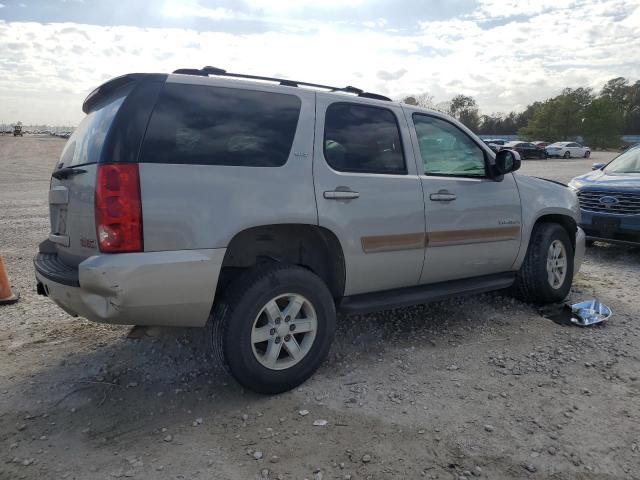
(547, 271)
(567, 154)
(587, 154)
(274, 327)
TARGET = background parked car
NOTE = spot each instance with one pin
(568, 150)
(526, 149)
(541, 144)
(495, 144)
(610, 199)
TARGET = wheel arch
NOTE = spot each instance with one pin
(311, 246)
(565, 221)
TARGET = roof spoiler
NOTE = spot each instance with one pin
(106, 88)
(206, 71)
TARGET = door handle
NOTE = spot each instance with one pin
(340, 195)
(442, 196)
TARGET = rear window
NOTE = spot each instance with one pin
(85, 144)
(200, 124)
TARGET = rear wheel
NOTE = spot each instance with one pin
(547, 271)
(567, 154)
(273, 327)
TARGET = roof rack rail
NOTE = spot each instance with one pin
(206, 71)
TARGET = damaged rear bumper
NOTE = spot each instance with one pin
(173, 288)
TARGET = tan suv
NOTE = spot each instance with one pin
(261, 206)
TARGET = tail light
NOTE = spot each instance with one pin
(118, 208)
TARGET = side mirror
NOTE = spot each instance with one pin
(598, 166)
(507, 161)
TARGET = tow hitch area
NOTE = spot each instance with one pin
(589, 312)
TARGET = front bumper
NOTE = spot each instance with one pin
(173, 288)
(619, 228)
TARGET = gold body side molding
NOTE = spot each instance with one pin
(410, 241)
(389, 243)
(478, 235)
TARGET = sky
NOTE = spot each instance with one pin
(504, 53)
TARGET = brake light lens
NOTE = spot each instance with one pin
(118, 208)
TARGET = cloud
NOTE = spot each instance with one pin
(384, 75)
(285, 5)
(178, 9)
(504, 64)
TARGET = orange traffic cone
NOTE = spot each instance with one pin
(6, 295)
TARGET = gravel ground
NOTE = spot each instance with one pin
(476, 387)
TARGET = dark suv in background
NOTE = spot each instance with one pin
(610, 199)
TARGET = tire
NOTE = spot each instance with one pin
(532, 282)
(243, 310)
(587, 154)
(567, 154)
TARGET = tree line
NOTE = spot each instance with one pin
(601, 118)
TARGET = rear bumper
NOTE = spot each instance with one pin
(174, 288)
(626, 230)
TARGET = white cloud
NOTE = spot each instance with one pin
(504, 66)
(181, 9)
(285, 5)
(513, 8)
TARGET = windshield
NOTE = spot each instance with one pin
(628, 162)
(558, 144)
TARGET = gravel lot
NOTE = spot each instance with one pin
(480, 386)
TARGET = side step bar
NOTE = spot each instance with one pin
(404, 297)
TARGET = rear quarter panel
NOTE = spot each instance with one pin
(204, 206)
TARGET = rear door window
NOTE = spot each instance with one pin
(198, 124)
(362, 138)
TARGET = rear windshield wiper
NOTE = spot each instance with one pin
(67, 172)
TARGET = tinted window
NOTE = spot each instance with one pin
(360, 138)
(221, 126)
(85, 144)
(447, 150)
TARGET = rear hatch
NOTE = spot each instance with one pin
(111, 132)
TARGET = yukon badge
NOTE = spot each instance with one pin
(508, 221)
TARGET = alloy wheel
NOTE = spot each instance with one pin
(556, 264)
(284, 331)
